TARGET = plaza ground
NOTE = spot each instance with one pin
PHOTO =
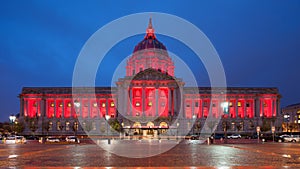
(186, 154)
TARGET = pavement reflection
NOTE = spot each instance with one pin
(189, 155)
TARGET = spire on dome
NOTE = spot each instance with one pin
(150, 31)
(150, 23)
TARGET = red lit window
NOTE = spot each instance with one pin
(112, 104)
(239, 104)
(137, 104)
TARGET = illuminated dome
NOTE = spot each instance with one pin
(150, 41)
(150, 53)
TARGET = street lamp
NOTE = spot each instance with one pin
(177, 130)
(12, 119)
(194, 119)
(224, 106)
(107, 117)
(122, 131)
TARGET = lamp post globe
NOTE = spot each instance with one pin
(12, 119)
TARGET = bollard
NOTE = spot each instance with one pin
(208, 141)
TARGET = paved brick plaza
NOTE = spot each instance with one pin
(186, 154)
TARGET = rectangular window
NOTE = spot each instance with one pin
(196, 104)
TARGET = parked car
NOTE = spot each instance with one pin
(234, 136)
(269, 138)
(72, 139)
(10, 140)
(218, 136)
(52, 140)
(15, 140)
(21, 139)
(292, 138)
(281, 138)
(32, 138)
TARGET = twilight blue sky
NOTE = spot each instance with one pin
(257, 41)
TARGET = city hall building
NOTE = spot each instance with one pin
(148, 101)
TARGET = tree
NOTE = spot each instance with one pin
(115, 124)
(33, 126)
(19, 127)
(251, 125)
(211, 124)
(87, 126)
(75, 127)
(266, 125)
(225, 125)
(239, 126)
(197, 126)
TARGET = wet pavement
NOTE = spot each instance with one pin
(187, 154)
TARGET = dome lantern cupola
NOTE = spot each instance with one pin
(150, 31)
(150, 53)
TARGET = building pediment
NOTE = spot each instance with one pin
(152, 74)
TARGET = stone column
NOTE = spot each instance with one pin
(175, 100)
(245, 107)
(172, 101)
(202, 108)
(273, 108)
(193, 106)
(106, 107)
(143, 101)
(54, 108)
(169, 101)
(130, 101)
(26, 107)
(80, 107)
(181, 102)
(156, 102)
(236, 108)
(262, 107)
(125, 101)
(120, 99)
(42, 113)
(63, 109)
(21, 107)
(253, 107)
(257, 107)
(90, 106)
(183, 106)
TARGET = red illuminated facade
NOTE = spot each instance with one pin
(149, 100)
